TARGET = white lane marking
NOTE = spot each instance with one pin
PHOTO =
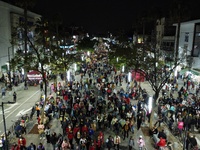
(22, 112)
(20, 105)
(7, 109)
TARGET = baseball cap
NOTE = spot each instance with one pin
(140, 136)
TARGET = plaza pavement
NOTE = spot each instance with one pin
(56, 127)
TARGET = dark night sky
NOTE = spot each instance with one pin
(102, 15)
(96, 15)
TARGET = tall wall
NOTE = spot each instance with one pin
(9, 16)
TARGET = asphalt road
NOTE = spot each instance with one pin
(25, 100)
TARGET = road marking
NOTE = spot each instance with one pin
(22, 112)
(5, 112)
(20, 105)
(7, 109)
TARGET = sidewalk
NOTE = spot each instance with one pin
(170, 136)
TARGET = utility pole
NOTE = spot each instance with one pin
(4, 122)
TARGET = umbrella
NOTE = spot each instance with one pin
(122, 122)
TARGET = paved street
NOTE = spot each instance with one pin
(26, 99)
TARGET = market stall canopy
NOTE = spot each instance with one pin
(194, 72)
(34, 75)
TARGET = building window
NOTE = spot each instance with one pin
(187, 37)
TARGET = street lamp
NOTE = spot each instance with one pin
(4, 121)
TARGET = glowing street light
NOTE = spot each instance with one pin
(129, 77)
(150, 103)
(123, 68)
(75, 66)
(88, 53)
(82, 58)
(68, 75)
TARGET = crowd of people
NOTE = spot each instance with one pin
(88, 108)
(179, 108)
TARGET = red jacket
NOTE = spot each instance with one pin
(162, 142)
(65, 97)
(85, 129)
(70, 135)
(127, 100)
(76, 106)
(22, 142)
(15, 148)
(75, 130)
(92, 147)
(68, 129)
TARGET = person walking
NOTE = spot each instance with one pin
(131, 143)
(109, 142)
(47, 134)
(53, 140)
(117, 141)
(41, 130)
(14, 96)
(22, 143)
(141, 143)
(31, 147)
(40, 147)
(126, 130)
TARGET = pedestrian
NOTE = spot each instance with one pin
(54, 140)
(141, 143)
(180, 127)
(139, 120)
(109, 142)
(22, 143)
(41, 130)
(66, 145)
(3, 92)
(25, 85)
(83, 142)
(40, 147)
(117, 141)
(47, 134)
(41, 86)
(14, 147)
(131, 143)
(14, 96)
(37, 110)
(31, 147)
(126, 130)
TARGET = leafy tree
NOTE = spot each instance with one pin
(130, 56)
(24, 25)
(86, 44)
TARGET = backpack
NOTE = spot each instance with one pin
(126, 127)
(109, 143)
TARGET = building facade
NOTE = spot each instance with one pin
(10, 18)
(189, 43)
